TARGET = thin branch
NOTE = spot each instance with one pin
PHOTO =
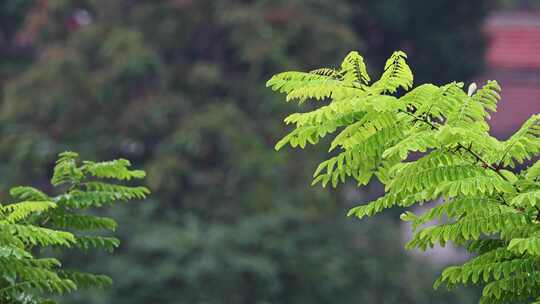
(468, 149)
(504, 155)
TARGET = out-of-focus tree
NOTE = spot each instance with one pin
(442, 38)
(517, 4)
(13, 50)
(177, 86)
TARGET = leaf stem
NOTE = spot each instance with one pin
(460, 146)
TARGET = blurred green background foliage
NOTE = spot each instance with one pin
(177, 87)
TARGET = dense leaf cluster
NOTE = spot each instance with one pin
(425, 144)
(35, 221)
(175, 86)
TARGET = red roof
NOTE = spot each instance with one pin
(513, 59)
(514, 40)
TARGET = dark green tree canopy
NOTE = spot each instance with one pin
(177, 88)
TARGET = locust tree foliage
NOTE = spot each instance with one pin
(36, 221)
(429, 143)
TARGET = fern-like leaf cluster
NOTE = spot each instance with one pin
(36, 220)
(424, 144)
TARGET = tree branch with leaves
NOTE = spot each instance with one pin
(489, 190)
(37, 220)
